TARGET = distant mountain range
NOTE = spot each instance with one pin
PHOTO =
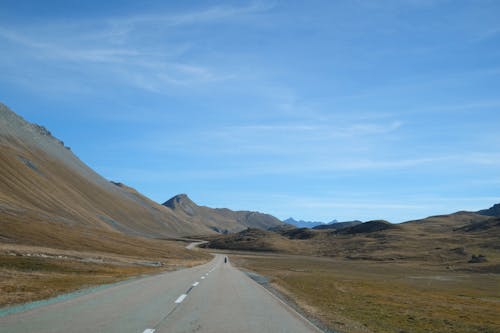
(306, 224)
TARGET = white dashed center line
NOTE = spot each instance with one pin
(180, 299)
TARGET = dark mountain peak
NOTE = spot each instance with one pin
(182, 202)
(178, 200)
(492, 211)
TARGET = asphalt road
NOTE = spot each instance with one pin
(214, 297)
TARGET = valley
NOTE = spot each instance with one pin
(64, 229)
(439, 274)
(250, 166)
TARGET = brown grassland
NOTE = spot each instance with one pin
(412, 277)
(29, 273)
(76, 258)
(369, 296)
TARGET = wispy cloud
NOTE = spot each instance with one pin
(318, 169)
(310, 140)
(207, 15)
(115, 46)
(130, 66)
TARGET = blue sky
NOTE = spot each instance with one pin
(318, 110)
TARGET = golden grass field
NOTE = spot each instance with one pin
(42, 259)
(49, 258)
(411, 277)
(29, 273)
(368, 296)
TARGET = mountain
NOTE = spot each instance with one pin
(492, 211)
(306, 224)
(45, 186)
(48, 196)
(337, 225)
(220, 220)
(450, 240)
(367, 227)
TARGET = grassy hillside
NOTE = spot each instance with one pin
(446, 240)
(40, 177)
(440, 274)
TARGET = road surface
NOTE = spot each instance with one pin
(214, 297)
(193, 245)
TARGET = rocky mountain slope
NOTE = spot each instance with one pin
(492, 211)
(47, 194)
(221, 220)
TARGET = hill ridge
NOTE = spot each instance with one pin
(229, 220)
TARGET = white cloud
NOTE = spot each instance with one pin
(105, 48)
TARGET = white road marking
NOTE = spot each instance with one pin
(195, 284)
(181, 298)
(149, 330)
(203, 278)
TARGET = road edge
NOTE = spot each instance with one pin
(287, 302)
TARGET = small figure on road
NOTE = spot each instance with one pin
(225, 260)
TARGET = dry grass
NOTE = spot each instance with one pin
(28, 273)
(116, 257)
(28, 279)
(355, 296)
(35, 231)
(43, 259)
(413, 277)
(54, 218)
